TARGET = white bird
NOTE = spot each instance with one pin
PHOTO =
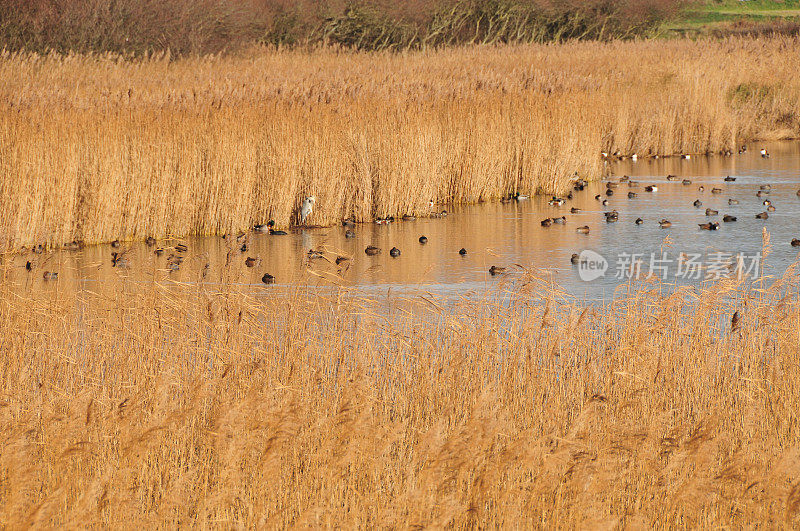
(764, 154)
(307, 208)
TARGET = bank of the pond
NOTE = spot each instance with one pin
(98, 148)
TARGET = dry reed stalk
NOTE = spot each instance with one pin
(149, 402)
(96, 148)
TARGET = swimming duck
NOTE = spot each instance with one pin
(520, 197)
(582, 230)
(764, 154)
(340, 259)
(394, 252)
(575, 258)
(117, 260)
(115, 244)
(423, 240)
(272, 231)
(631, 195)
(701, 188)
(29, 266)
(651, 188)
(762, 215)
(243, 248)
(50, 275)
(371, 250)
(716, 190)
(268, 279)
(604, 202)
(409, 217)
(252, 262)
(709, 226)
(634, 157)
(733, 202)
(633, 184)
(494, 270)
(349, 233)
(761, 193)
(742, 149)
(765, 187)
(672, 177)
(697, 203)
(561, 221)
(795, 242)
(710, 212)
(574, 210)
(348, 223)
(771, 208)
(74, 245)
(686, 156)
(639, 221)
(686, 182)
(664, 224)
(546, 222)
(766, 202)
(598, 196)
(729, 179)
(262, 228)
(624, 178)
(728, 218)
(150, 241)
(609, 192)
(462, 251)
(313, 254)
(611, 216)
(611, 184)
(556, 201)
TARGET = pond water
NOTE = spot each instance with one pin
(508, 235)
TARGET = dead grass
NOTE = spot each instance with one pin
(155, 403)
(96, 148)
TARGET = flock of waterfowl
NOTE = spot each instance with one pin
(177, 252)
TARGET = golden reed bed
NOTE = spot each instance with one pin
(99, 148)
(153, 403)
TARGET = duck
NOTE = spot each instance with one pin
(711, 212)
(582, 230)
(371, 250)
(697, 203)
(409, 217)
(561, 221)
(604, 202)
(115, 244)
(795, 242)
(766, 202)
(771, 208)
(709, 226)
(742, 149)
(762, 193)
(762, 215)
(798, 193)
(494, 270)
(74, 245)
(611, 216)
(546, 222)
(733, 202)
(243, 248)
(262, 228)
(764, 153)
(521, 197)
(598, 197)
(624, 178)
(314, 254)
(252, 262)
(633, 184)
(672, 177)
(651, 188)
(575, 258)
(271, 229)
(462, 251)
(609, 192)
(423, 239)
(634, 157)
(639, 221)
(348, 223)
(574, 210)
(631, 195)
(556, 201)
(686, 182)
(664, 224)
(686, 156)
(394, 252)
(118, 260)
(29, 266)
(729, 179)
(728, 218)
(50, 275)
(765, 187)
(349, 233)
(716, 190)
(340, 259)
(611, 184)
(268, 279)
(150, 241)
(701, 188)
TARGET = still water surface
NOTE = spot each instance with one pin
(507, 235)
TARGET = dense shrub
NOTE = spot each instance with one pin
(207, 26)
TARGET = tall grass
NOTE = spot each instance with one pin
(155, 403)
(96, 148)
